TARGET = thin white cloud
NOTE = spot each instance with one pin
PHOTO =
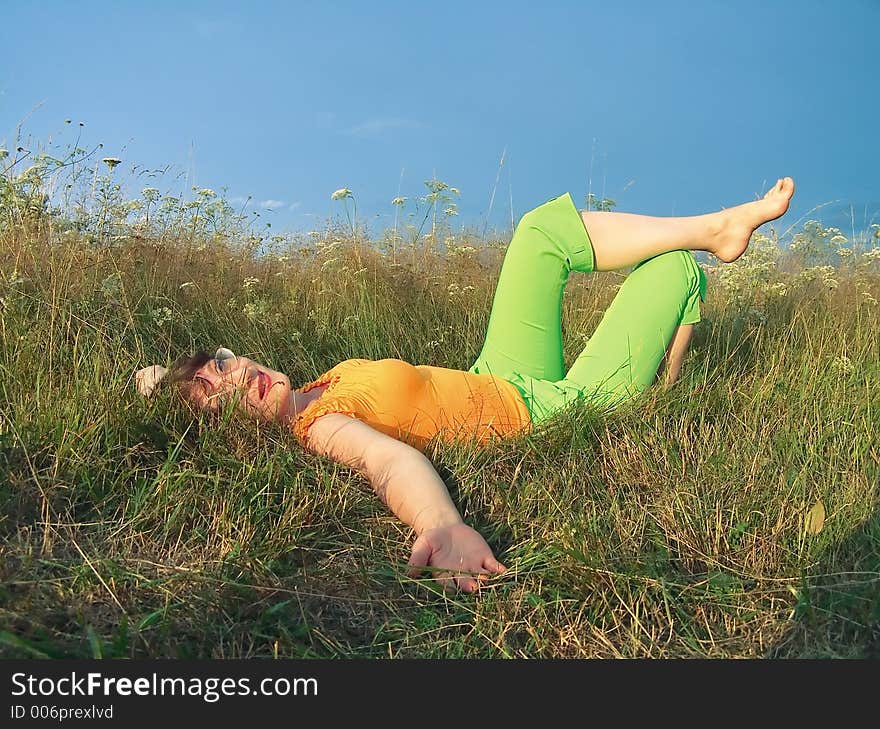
(272, 204)
(238, 200)
(375, 127)
(295, 205)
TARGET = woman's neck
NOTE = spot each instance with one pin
(299, 401)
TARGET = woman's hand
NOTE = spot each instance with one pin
(456, 549)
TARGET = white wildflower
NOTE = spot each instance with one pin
(399, 201)
(111, 162)
(341, 194)
(843, 365)
(161, 316)
(250, 282)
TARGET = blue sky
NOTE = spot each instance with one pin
(672, 108)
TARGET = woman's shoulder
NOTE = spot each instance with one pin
(342, 366)
(385, 364)
(360, 372)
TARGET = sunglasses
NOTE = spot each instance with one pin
(223, 357)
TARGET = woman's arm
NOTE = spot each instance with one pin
(675, 353)
(400, 475)
(407, 483)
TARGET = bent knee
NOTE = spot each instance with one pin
(678, 267)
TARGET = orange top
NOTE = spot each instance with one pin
(415, 402)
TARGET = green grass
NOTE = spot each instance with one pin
(673, 528)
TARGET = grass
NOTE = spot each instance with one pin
(677, 527)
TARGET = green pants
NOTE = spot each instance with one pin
(524, 339)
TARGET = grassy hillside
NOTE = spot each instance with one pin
(734, 515)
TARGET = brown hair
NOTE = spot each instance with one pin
(181, 374)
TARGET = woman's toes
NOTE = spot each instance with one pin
(787, 188)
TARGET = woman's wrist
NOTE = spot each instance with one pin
(436, 519)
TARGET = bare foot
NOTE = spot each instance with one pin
(737, 224)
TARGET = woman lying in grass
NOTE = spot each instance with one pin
(377, 416)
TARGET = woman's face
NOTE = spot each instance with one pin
(259, 391)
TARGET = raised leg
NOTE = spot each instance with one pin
(624, 239)
(524, 335)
